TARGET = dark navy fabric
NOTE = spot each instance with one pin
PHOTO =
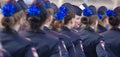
(101, 29)
(90, 41)
(112, 42)
(44, 44)
(101, 51)
(66, 39)
(16, 45)
(75, 39)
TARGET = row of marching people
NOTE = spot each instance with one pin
(44, 30)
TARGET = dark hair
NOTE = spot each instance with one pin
(102, 10)
(93, 9)
(8, 22)
(78, 11)
(104, 17)
(54, 7)
(89, 20)
(36, 21)
(117, 11)
(114, 21)
(85, 20)
(68, 17)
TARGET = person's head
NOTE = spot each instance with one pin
(102, 16)
(117, 11)
(93, 9)
(91, 21)
(50, 17)
(69, 19)
(50, 12)
(102, 10)
(103, 21)
(11, 19)
(54, 7)
(78, 13)
(114, 21)
(36, 17)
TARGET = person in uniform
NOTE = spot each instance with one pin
(3, 52)
(69, 23)
(103, 21)
(12, 42)
(45, 45)
(112, 36)
(93, 9)
(88, 35)
(65, 42)
(78, 14)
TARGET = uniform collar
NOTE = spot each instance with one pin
(46, 28)
(116, 29)
(36, 31)
(65, 28)
(89, 29)
(8, 31)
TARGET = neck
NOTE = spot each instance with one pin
(93, 27)
(68, 26)
(15, 28)
(42, 27)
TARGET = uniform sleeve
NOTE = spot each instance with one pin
(55, 50)
(28, 52)
(100, 49)
(79, 49)
(4, 53)
(63, 49)
(71, 49)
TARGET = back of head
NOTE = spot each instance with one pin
(114, 21)
(93, 9)
(102, 10)
(85, 20)
(69, 17)
(117, 11)
(54, 7)
(37, 16)
(89, 20)
(11, 15)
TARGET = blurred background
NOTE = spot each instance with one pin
(108, 3)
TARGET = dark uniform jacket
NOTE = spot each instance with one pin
(67, 41)
(112, 42)
(101, 29)
(76, 41)
(45, 45)
(90, 41)
(16, 45)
